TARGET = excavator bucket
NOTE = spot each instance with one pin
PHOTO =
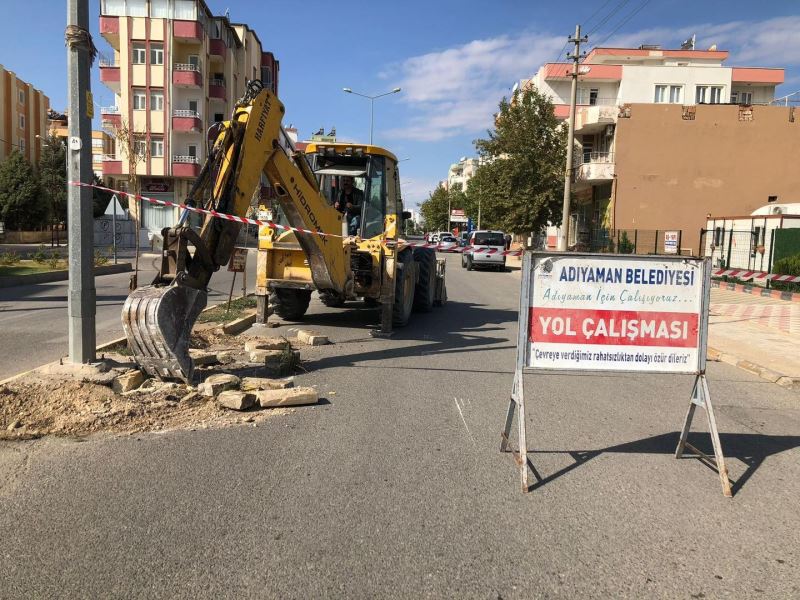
(158, 321)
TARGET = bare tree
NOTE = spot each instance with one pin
(133, 147)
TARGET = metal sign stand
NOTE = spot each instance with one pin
(702, 398)
(700, 395)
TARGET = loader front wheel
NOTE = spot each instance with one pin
(289, 304)
(425, 291)
(403, 292)
(332, 299)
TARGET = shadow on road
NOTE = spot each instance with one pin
(752, 449)
(461, 327)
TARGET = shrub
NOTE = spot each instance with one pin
(625, 246)
(789, 265)
(99, 258)
(40, 256)
(54, 260)
(9, 258)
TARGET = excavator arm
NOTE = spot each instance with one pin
(158, 318)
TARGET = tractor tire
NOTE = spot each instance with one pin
(332, 299)
(403, 290)
(289, 304)
(425, 290)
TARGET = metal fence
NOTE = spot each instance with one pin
(630, 241)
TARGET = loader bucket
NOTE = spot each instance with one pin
(158, 322)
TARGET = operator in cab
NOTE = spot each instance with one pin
(349, 202)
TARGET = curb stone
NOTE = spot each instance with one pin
(791, 383)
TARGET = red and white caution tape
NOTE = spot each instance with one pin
(451, 247)
(755, 275)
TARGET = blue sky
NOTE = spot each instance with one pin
(453, 59)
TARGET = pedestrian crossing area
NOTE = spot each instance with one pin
(727, 306)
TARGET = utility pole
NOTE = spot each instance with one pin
(81, 297)
(575, 56)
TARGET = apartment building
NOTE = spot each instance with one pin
(23, 117)
(102, 142)
(612, 83)
(175, 70)
(461, 172)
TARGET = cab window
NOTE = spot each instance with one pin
(373, 211)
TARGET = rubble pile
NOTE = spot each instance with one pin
(235, 380)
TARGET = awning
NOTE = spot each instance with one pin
(351, 170)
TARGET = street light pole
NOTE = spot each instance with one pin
(81, 291)
(371, 99)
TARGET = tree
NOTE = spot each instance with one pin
(520, 186)
(53, 180)
(21, 206)
(434, 209)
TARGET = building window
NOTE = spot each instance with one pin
(661, 94)
(22, 121)
(22, 145)
(21, 96)
(156, 54)
(97, 143)
(185, 10)
(266, 78)
(708, 94)
(676, 94)
(744, 98)
(156, 100)
(219, 117)
(140, 148)
(139, 54)
(192, 150)
(593, 93)
(159, 9)
(156, 148)
(139, 100)
(136, 8)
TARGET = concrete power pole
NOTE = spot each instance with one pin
(81, 298)
(575, 56)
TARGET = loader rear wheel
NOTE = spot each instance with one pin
(332, 299)
(403, 290)
(289, 304)
(425, 290)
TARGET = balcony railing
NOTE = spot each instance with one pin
(217, 81)
(110, 158)
(186, 160)
(597, 157)
(191, 114)
(187, 67)
(107, 62)
(599, 101)
(109, 110)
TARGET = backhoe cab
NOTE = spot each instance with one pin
(377, 269)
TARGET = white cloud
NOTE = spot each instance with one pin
(455, 91)
(415, 191)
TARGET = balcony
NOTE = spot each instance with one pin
(110, 74)
(216, 89)
(186, 121)
(188, 31)
(109, 29)
(185, 166)
(186, 75)
(110, 116)
(112, 165)
(217, 47)
(597, 167)
(592, 119)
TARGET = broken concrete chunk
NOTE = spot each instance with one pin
(270, 358)
(128, 381)
(254, 384)
(265, 344)
(288, 397)
(236, 400)
(203, 357)
(309, 338)
(214, 384)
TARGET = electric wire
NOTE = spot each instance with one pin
(624, 21)
(605, 19)
(595, 13)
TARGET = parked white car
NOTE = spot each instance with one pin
(486, 250)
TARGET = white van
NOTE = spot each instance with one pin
(486, 249)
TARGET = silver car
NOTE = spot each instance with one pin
(485, 249)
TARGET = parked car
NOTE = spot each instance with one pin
(447, 238)
(489, 246)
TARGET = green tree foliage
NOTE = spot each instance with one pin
(53, 178)
(21, 204)
(520, 185)
(434, 210)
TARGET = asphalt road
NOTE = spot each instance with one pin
(394, 486)
(33, 318)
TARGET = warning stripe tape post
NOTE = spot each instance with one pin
(451, 247)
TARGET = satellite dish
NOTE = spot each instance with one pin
(583, 70)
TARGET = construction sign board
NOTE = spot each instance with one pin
(616, 313)
(238, 260)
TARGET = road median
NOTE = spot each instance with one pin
(60, 275)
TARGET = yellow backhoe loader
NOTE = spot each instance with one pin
(344, 255)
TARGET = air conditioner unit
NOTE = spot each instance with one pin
(609, 130)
